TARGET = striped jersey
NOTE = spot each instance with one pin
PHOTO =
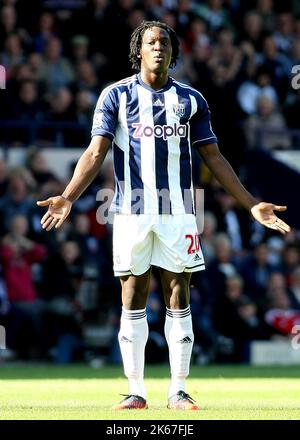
(152, 132)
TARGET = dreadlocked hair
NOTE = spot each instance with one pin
(136, 42)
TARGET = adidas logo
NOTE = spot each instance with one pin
(124, 339)
(197, 258)
(186, 340)
(159, 103)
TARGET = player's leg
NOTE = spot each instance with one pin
(132, 249)
(179, 335)
(135, 289)
(177, 252)
(133, 336)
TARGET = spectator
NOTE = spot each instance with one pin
(18, 254)
(197, 35)
(35, 63)
(3, 177)
(62, 278)
(283, 36)
(256, 271)
(4, 302)
(281, 317)
(213, 13)
(28, 106)
(297, 27)
(13, 55)
(221, 94)
(277, 64)
(95, 22)
(199, 64)
(89, 246)
(250, 92)
(40, 170)
(225, 54)
(235, 316)
(79, 49)
(276, 281)
(206, 336)
(266, 10)
(253, 29)
(17, 200)
(84, 106)
(224, 264)
(292, 111)
(57, 70)
(63, 273)
(60, 105)
(294, 288)
(290, 260)
(46, 31)
(86, 78)
(231, 221)
(61, 110)
(266, 118)
(9, 25)
(275, 249)
(207, 236)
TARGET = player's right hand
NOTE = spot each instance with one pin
(58, 211)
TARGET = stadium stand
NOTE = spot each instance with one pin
(59, 300)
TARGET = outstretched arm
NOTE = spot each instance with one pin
(85, 171)
(222, 170)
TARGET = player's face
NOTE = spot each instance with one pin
(156, 50)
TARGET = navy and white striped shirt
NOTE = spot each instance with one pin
(152, 133)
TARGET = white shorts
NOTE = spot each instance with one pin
(167, 241)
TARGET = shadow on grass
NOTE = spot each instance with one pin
(37, 371)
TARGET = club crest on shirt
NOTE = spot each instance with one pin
(179, 109)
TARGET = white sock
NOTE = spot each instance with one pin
(180, 338)
(132, 337)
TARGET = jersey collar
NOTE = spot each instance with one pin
(146, 86)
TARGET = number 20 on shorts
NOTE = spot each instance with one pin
(194, 243)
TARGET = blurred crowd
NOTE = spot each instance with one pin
(54, 285)
(58, 57)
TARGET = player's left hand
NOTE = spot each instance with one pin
(264, 213)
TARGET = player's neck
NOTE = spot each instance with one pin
(155, 80)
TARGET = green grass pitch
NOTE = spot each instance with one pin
(79, 392)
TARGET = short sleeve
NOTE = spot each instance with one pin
(200, 123)
(106, 114)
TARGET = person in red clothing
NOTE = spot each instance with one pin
(18, 253)
(281, 316)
